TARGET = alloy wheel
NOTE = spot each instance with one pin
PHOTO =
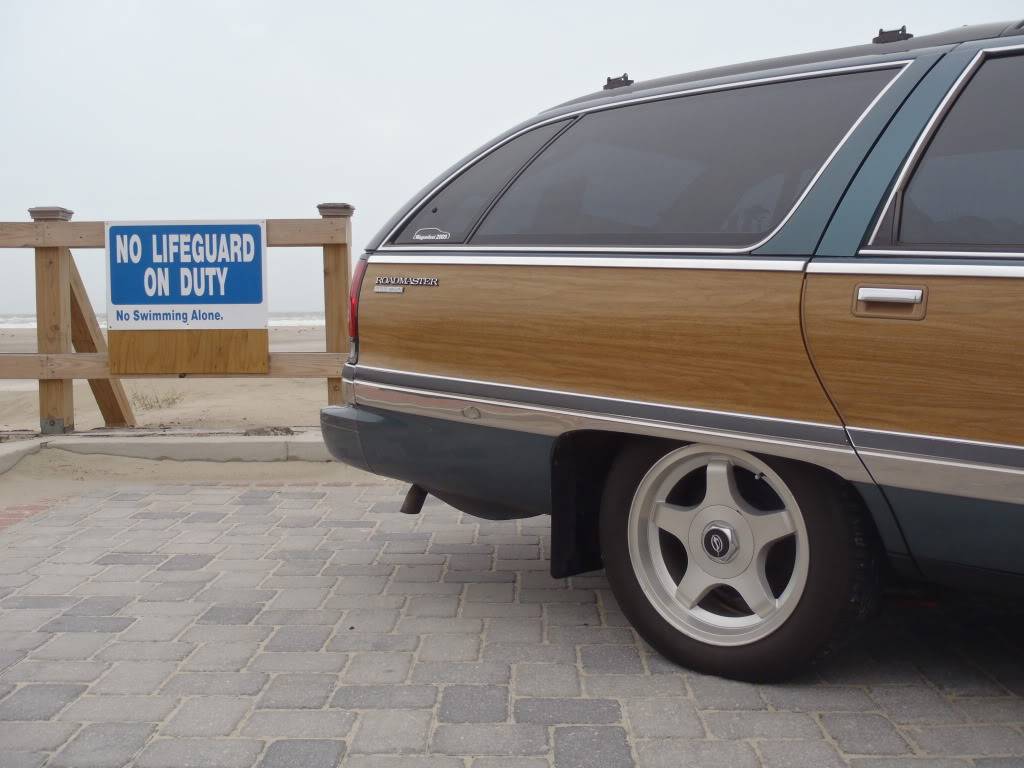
(718, 544)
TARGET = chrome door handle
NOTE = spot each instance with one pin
(890, 295)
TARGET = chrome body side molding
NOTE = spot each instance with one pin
(946, 476)
(821, 444)
(965, 468)
(942, 448)
(555, 421)
(726, 421)
(917, 462)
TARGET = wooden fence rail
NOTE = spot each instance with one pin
(72, 346)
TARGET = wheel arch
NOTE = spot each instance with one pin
(580, 462)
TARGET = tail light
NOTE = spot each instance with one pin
(353, 309)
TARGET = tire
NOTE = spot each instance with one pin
(665, 561)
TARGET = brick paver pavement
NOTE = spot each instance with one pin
(217, 625)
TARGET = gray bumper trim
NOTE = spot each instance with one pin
(340, 428)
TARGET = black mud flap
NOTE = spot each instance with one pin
(579, 465)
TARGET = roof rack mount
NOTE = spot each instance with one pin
(617, 82)
(892, 35)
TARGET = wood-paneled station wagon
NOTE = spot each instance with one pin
(753, 337)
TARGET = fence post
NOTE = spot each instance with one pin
(53, 324)
(336, 266)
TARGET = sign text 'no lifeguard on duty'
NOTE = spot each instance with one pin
(181, 275)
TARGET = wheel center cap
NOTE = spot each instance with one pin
(720, 541)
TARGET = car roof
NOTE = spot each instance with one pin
(950, 37)
(871, 52)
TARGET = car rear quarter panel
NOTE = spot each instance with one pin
(726, 340)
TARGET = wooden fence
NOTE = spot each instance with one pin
(71, 344)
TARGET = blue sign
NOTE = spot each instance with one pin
(160, 274)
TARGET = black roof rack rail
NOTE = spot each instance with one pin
(949, 37)
(892, 35)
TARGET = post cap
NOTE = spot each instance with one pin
(336, 210)
(50, 213)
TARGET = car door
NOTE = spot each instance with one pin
(918, 338)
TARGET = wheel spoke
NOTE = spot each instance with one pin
(674, 519)
(721, 486)
(753, 588)
(770, 526)
(695, 585)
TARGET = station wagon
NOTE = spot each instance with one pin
(751, 336)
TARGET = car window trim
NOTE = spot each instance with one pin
(887, 244)
(496, 196)
(922, 263)
(569, 123)
(899, 66)
(442, 256)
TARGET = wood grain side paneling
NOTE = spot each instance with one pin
(720, 340)
(188, 351)
(958, 372)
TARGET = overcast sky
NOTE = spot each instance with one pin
(245, 109)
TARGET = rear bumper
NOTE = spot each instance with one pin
(488, 472)
(339, 425)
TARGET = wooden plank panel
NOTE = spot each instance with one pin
(51, 234)
(86, 336)
(23, 366)
(188, 351)
(305, 365)
(958, 372)
(719, 340)
(282, 365)
(299, 232)
(89, 234)
(53, 334)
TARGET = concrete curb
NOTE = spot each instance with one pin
(14, 451)
(176, 446)
(308, 446)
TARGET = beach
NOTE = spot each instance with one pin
(231, 404)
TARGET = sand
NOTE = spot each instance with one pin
(199, 403)
(53, 474)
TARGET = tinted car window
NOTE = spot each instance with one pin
(450, 214)
(968, 188)
(712, 169)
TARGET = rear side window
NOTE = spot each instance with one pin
(712, 169)
(450, 214)
(968, 188)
